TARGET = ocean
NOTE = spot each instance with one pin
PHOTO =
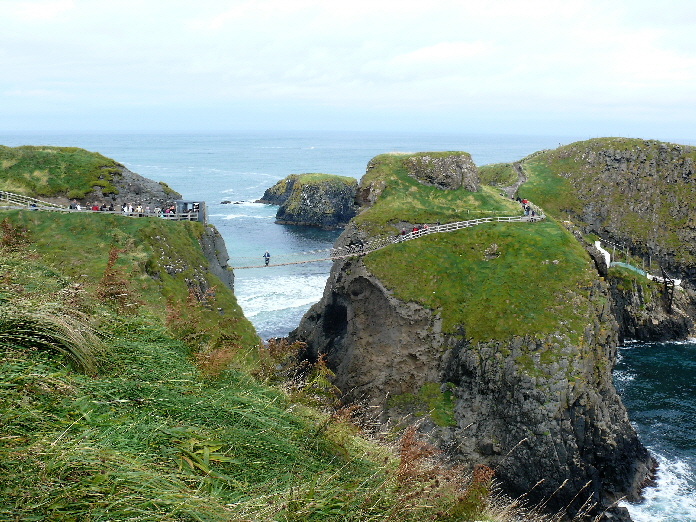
(238, 167)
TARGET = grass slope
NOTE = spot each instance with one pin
(160, 261)
(497, 174)
(639, 191)
(50, 171)
(495, 280)
(167, 423)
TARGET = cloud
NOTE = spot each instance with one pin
(500, 57)
(42, 10)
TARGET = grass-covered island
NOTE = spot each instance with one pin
(133, 388)
(320, 200)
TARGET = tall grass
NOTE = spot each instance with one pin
(70, 336)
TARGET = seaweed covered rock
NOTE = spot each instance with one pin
(320, 200)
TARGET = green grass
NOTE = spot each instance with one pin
(428, 401)
(52, 171)
(497, 298)
(152, 437)
(405, 199)
(317, 177)
(314, 178)
(497, 174)
(651, 201)
(157, 258)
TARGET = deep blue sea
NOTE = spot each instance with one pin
(655, 380)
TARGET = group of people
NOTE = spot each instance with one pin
(417, 230)
(528, 210)
(127, 209)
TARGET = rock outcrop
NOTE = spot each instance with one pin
(447, 171)
(319, 200)
(215, 251)
(136, 189)
(532, 409)
(539, 409)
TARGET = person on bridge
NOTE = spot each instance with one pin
(267, 257)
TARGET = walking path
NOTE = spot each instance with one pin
(511, 190)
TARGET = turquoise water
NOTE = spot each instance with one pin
(655, 380)
(629, 267)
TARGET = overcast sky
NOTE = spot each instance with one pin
(580, 68)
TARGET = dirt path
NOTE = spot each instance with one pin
(521, 178)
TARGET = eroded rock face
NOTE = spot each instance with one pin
(643, 313)
(136, 189)
(445, 172)
(215, 251)
(327, 202)
(532, 409)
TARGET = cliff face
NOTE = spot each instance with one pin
(466, 334)
(215, 251)
(637, 193)
(319, 200)
(531, 408)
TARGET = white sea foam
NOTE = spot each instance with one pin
(687, 342)
(237, 216)
(623, 377)
(260, 295)
(673, 499)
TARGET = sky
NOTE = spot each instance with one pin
(549, 67)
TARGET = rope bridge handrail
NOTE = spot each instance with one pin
(378, 243)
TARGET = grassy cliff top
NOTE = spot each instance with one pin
(639, 191)
(495, 280)
(404, 199)
(42, 171)
(317, 177)
(160, 262)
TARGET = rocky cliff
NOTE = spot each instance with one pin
(497, 368)
(319, 200)
(444, 170)
(215, 251)
(136, 189)
(639, 194)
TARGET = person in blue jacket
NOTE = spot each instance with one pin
(267, 257)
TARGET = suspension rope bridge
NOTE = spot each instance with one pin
(365, 247)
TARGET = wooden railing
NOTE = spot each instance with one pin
(381, 242)
(12, 200)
